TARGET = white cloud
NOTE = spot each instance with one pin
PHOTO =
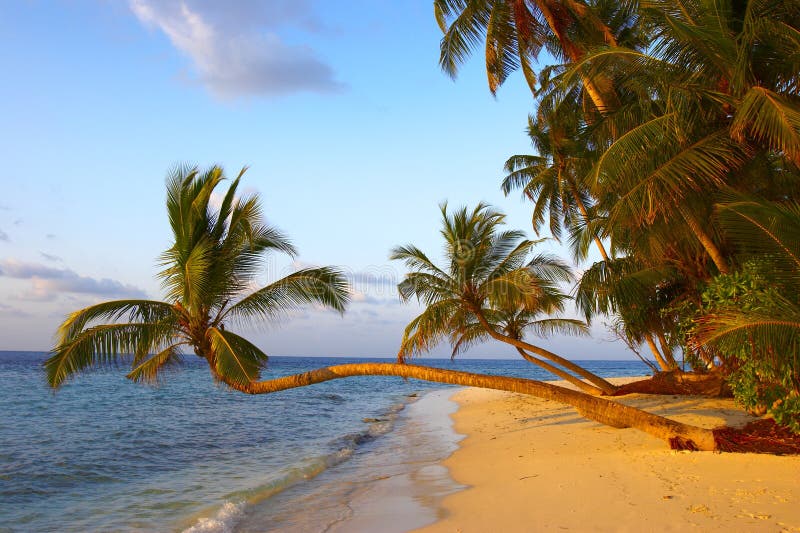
(47, 282)
(235, 47)
(3, 236)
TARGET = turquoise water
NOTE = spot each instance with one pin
(106, 454)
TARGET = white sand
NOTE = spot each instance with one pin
(533, 465)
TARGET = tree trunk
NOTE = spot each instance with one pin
(678, 435)
(604, 385)
(585, 214)
(585, 387)
(653, 348)
(705, 240)
(665, 348)
(600, 90)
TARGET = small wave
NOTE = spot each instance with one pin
(223, 522)
(345, 446)
(337, 398)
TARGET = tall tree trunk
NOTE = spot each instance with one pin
(585, 387)
(669, 357)
(653, 348)
(600, 90)
(601, 410)
(585, 213)
(705, 240)
(601, 383)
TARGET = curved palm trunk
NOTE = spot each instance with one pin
(602, 384)
(585, 387)
(600, 89)
(669, 357)
(705, 239)
(662, 363)
(585, 213)
(607, 412)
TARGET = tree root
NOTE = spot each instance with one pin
(677, 382)
(759, 436)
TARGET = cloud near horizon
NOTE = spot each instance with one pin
(47, 282)
(235, 47)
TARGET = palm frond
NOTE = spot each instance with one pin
(427, 329)
(767, 229)
(102, 345)
(150, 368)
(772, 119)
(324, 286)
(763, 332)
(145, 311)
(548, 327)
(236, 359)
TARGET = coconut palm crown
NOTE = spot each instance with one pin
(487, 271)
(207, 276)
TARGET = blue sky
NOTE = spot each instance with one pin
(352, 133)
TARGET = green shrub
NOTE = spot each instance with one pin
(762, 372)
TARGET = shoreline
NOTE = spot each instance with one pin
(392, 484)
(530, 465)
(405, 481)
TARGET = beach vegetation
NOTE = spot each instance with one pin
(491, 284)
(699, 110)
(209, 276)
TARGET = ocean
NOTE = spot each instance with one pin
(104, 454)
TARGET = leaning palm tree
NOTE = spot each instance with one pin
(486, 270)
(515, 323)
(207, 274)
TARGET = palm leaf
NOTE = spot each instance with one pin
(236, 360)
(325, 286)
(103, 345)
(133, 310)
(149, 369)
(772, 119)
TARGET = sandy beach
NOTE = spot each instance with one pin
(532, 465)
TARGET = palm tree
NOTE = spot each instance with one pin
(207, 274)
(770, 327)
(513, 33)
(636, 295)
(718, 93)
(552, 179)
(486, 270)
(514, 323)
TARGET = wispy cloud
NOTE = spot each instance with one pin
(6, 311)
(235, 46)
(4, 236)
(48, 282)
(51, 257)
(362, 298)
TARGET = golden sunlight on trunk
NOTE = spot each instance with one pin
(599, 409)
